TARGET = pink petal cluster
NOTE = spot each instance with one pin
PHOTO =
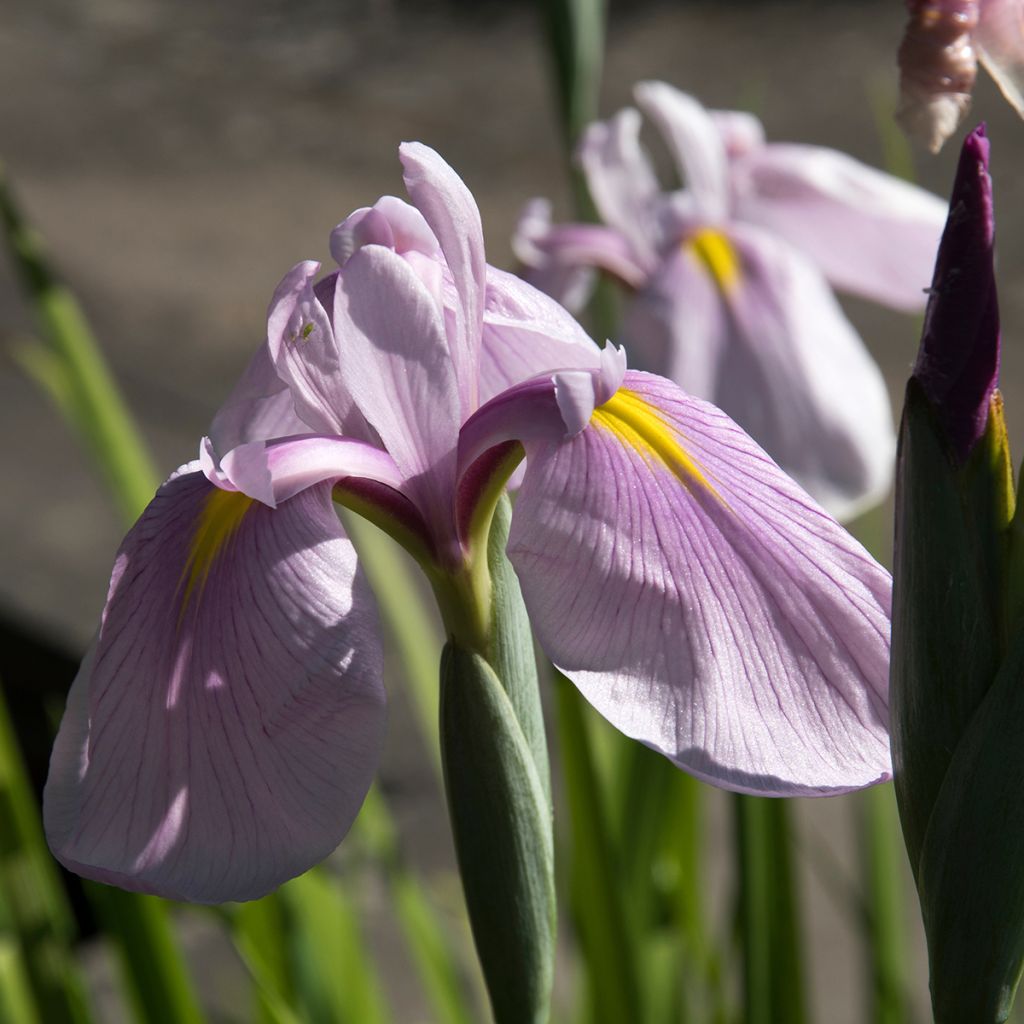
(729, 278)
(223, 730)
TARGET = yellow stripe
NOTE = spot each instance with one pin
(221, 516)
(638, 425)
(718, 255)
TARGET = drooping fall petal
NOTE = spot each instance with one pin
(701, 602)
(224, 729)
(869, 232)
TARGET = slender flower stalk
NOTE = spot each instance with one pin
(225, 726)
(728, 278)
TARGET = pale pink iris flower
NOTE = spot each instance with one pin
(729, 278)
(943, 44)
(226, 724)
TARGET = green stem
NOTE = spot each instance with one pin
(606, 933)
(33, 900)
(769, 915)
(882, 858)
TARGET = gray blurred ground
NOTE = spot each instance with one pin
(180, 157)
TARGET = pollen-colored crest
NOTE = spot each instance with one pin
(718, 255)
(639, 426)
(220, 518)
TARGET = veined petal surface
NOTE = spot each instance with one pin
(796, 376)
(399, 367)
(223, 731)
(869, 232)
(701, 601)
(694, 141)
(259, 407)
(526, 333)
(451, 211)
(622, 182)
(304, 351)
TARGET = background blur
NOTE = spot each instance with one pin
(180, 157)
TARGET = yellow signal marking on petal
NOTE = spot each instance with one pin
(638, 425)
(221, 516)
(718, 255)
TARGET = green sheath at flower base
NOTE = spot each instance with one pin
(501, 822)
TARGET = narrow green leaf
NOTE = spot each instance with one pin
(336, 977)
(434, 955)
(407, 622)
(501, 823)
(32, 894)
(773, 987)
(85, 388)
(259, 930)
(884, 933)
(153, 969)
(16, 1002)
(575, 32)
(606, 932)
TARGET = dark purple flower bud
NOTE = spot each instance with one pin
(958, 362)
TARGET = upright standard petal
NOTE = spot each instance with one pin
(451, 211)
(703, 603)
(622, 182)
(399, 366)
(223, 731)
(259, 407)
(526, 333)
(304, 351)
(694, 140)
(869, 232)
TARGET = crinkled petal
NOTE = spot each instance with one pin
(1000, 41)
(223, 731)
(527, 333)
(390, 222)
(694, 141)
(741, 131)
(702, 602)
(304, 351)
(399, 366)
(259, 407)
(452, 214)
(796, 376)
(869, 232)
(622, 182)
(272, 472)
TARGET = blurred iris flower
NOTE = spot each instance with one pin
(942, 45)
(729, 278)
(225, 726)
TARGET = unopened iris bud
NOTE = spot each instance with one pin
(958, 363)
(957, 655)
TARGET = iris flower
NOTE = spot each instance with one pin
(942, 45)
(729, 279)
(225, 726)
